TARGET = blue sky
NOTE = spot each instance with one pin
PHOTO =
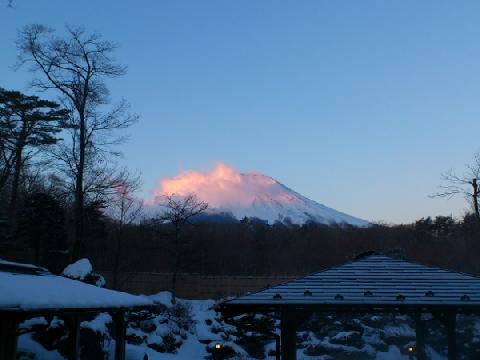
(360, 105)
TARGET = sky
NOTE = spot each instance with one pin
(359, 105)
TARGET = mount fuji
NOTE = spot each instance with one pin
(277, 202)
(252, 195)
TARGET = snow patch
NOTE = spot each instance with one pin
(99, 324)
(27, 346)
(78, 270)
(393, 353)
(163, 297)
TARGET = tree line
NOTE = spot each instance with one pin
(258, 249)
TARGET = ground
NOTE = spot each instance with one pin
(191, 328)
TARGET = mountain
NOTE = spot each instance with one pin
(273, 201)
(234, 195)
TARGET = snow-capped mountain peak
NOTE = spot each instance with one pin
(252, 195)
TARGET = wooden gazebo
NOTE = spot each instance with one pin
(27, 291)
(374, 283)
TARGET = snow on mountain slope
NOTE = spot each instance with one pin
(251, 195)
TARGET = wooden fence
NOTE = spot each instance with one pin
(193, 286)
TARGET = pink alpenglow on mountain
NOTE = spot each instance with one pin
(250, 195)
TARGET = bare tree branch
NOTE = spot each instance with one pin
(465, 184)
(178, 211)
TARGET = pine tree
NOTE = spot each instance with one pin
(41, 225)
(27, 123)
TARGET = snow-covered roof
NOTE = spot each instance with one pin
(375, 281)
(6, 265)
(46, 292)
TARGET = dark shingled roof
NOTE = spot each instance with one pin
(375, 281)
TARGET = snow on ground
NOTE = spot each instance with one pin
(392, 353)
(193, 342)
(399, 330)
(99, 324)
(26, 345)
(192, 327)
(163, 297)
(191, 349)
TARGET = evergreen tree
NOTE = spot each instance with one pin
(27, 123)
(42, 226)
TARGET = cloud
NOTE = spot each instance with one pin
(223, 186)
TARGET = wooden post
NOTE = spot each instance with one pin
(3, 336)
(450, 323)
(8, 338)
(73, 323)
(4, 322)
(420, 337)
(277, 348)
(120, 333)
(288, 336)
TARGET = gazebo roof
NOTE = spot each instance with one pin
(27, 288)
(376, 281)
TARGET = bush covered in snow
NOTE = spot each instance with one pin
(163, 330)
(48, 338)
(83, 270)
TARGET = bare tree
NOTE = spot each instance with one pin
(465, 184)
(76, 67)
(124, 208)
(7, 155)
(179, 211)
